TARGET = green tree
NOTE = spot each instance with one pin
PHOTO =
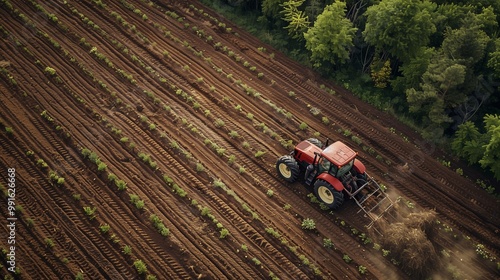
(400, 27)
(412, 71)
(475, 147)
(494, 59)
(314, 8)
(271, 8)
(491, 157)
(468, 43)
(331, 37)
(467, 142)
(298, 21)
(440, 90)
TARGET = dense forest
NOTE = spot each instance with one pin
(434, 64)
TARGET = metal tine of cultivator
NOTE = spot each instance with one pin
(377, 195)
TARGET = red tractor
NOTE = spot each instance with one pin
(334, 172)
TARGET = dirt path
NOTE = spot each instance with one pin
(177, 102)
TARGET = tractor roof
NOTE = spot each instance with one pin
(339, 153)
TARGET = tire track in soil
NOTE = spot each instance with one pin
(43, 197)
(61, 151)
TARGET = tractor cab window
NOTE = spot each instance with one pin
(343, 170)
(324, 165)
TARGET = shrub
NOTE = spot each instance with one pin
(218, 183)
(234, 134)
(245, 145)
(308, 223)
(221, 151)
(362, 269)
(122, 185)
(231, 159)
(93, 157)
(199, 167)
(270, 193)
(139, 204)
(224, 233)
(259, 154)
(356, 139)
(244, 248)
(140, 266)
(9, 130)
(42, 163)
(219, 123)
(49, 243)
(104, 228)
(112, 177)
(304, 260)
(327, 243)
(303, 126)
(127, 250)
(273, 232)
(205, 211)
(50, 71)
(325, 120)
(102, 166)
(30, 222)
(90, 211)
(256, 261)
(346, 258)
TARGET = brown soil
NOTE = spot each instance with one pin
(186, 84)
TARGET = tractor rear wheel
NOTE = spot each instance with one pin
(316, 142)
(328, 195)
(288, 168)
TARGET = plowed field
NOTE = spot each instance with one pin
(147, 133)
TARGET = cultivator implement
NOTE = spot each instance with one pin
(372, 200)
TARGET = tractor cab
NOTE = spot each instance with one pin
(339, 159)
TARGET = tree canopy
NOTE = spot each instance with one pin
(484, 148)
(399, 27)
(331, 37)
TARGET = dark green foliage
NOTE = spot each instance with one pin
(475, 147)
(331, 37)
(400, 27)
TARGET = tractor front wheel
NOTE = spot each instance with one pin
(328, 195)
(287, 168)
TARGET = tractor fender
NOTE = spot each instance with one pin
(337, 185)
(359, 167)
